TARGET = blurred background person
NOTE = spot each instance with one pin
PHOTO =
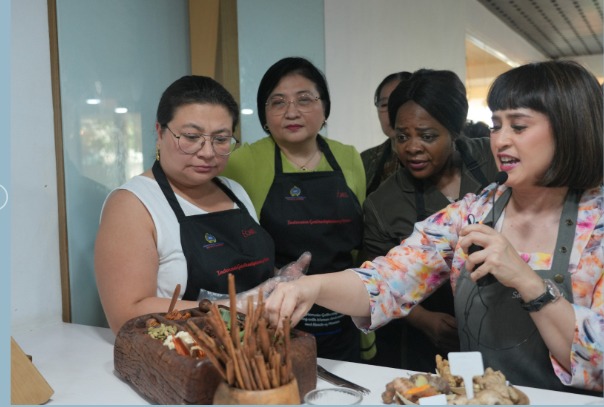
(381, 161)
(476, 129)
(307, 189)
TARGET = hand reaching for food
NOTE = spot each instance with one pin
(289, 272)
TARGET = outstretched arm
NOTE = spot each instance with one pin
(343, 292)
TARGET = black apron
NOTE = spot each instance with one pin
(317, 212)
(491, 321)
(219, 243)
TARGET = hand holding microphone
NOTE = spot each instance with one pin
(488, 279)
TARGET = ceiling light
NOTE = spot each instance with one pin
(493, 52)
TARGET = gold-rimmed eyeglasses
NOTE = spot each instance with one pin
(304, 102)
(190, 143)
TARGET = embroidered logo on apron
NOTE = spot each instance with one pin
(294, 194)
(212, 242)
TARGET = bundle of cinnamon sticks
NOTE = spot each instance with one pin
(260, 359)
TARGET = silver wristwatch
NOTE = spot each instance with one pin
(552, 294)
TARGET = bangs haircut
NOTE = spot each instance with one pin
(571, 98)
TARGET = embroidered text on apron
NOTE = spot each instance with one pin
(491, 321)
(218, 243)
(317, 212)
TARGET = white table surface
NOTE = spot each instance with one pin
(77, 362)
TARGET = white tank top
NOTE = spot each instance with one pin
(172, 264)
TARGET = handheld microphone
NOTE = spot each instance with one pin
(488, 279)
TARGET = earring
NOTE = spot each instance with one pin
(156, 153)
(265, 127)
(324, 123)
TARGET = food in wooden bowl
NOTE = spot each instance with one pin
(169, 376)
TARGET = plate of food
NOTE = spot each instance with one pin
(489, 389)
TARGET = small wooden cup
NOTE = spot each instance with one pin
(286, 394)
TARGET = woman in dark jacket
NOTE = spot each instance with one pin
(439, 166)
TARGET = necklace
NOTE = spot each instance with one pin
(303, 167)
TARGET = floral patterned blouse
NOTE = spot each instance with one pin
(422, 262)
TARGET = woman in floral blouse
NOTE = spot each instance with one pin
(541, 322)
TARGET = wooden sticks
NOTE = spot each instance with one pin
(174, 298)
(260, 359)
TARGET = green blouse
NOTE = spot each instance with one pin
(253, 166)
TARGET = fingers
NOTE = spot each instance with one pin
(304, 261)
(450, 321)
(446, 336)
(477, 242)
(476, 259)
(297, 268)
(273, 306)
(475, 234)
(281, 304)
(291, 299)
(298, 314)
(478, 274)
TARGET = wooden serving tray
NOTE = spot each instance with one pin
(164, 377)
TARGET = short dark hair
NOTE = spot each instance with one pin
(195, 89)
(396, 76)
(571, 98)
(288, 66)
(441, 93)
(476, 129)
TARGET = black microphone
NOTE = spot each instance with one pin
(488, 279)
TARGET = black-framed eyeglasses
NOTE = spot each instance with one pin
(304, 102)
(190, 143)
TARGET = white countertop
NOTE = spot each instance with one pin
(77, 362)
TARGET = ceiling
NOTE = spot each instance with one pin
(557, 28)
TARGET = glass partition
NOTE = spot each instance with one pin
(268, 31)
(115, 58)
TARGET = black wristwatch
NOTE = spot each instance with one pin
(552, 294)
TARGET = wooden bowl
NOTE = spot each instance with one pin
(286, 394)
